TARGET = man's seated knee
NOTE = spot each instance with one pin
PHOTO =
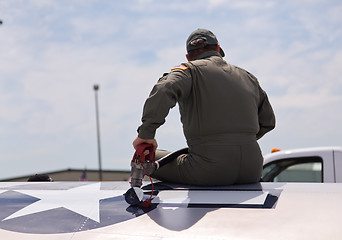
(161, 153)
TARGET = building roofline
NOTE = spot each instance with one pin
(64, 170)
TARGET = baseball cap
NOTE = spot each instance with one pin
(200, 38)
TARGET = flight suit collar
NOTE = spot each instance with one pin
(208, 54)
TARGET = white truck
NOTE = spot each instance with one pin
(320, 164)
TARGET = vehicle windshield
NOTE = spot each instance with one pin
(308, 169)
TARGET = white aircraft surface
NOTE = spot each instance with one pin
(98, 210)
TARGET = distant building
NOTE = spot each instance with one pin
(78, 175)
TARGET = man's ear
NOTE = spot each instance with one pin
(218, 48)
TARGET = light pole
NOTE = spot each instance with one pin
(96, 88)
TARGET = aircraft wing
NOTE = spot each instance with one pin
(98, 210)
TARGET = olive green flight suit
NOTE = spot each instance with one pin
(223, 111)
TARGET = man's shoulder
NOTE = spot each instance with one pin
(180, 69)
(244, 71)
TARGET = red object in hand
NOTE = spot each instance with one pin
(142, 164)
(139, 155)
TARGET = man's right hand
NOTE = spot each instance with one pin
(139, 141)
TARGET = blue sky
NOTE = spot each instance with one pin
(53, 52)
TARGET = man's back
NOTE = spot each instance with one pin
(224, 100)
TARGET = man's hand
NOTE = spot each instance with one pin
(139, 141)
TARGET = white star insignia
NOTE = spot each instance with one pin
(84, 200)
